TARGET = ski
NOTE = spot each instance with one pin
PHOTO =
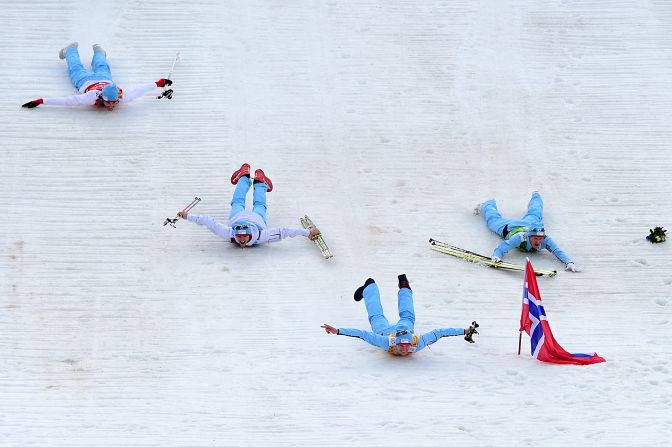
(470, 256)
(319, 240)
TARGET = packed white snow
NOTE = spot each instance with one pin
(386, 122)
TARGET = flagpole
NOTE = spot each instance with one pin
(520, 339)
(522, 305)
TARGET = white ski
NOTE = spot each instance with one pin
(319, 240)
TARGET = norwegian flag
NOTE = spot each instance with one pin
(533, 321)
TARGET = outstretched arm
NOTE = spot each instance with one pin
(280, 233)
(85, 99)
(214, 226)
(553, 248)
(136, 92)
(379, 341)
(434, 336)
(506, 246)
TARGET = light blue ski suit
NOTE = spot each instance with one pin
(383, 333)
(90, 83)
(255, 220)
(516, 231)
(80, 75)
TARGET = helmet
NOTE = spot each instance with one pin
(240, 228)
(403, 337)
(110, 92)
(536, 231)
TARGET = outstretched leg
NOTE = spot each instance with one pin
(259, 199)
(375, 310)
(493, 219)
(239, 194)
(406, 310)
(78, 74)
(260, 176)
(100, 66)
(535, 210)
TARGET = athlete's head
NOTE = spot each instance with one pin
(242, 233)
(536, 236)
(404, 340)
(110, 96)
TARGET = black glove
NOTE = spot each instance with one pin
(31, 104)
(468, 334)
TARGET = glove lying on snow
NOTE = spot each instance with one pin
(571, 267)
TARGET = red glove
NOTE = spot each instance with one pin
(163, 82)
(31, 104)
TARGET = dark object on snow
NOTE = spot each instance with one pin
(468, 334)
(166, 94)
(657, 235)
(359, 293)
(403, 282)
(31, 104)
(188, 208)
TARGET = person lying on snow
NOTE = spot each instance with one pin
(526, 234)
(247, 228)
(397, 339)
(96, 88)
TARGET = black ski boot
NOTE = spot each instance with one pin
(468, 334)
(359, 293)
(403, 282)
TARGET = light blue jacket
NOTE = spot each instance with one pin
(383, 341)
(521, 241)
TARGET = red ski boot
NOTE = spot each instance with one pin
(260, 177)
(242, 171)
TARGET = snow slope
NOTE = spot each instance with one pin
(386, 122)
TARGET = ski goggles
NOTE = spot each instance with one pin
(108, 101)
(241, 230)
(537, 231)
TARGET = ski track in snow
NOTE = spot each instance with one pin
(386, 123)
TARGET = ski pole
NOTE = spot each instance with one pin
(192, 204)
(188, 208)
(168, 93)
(520, 339)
